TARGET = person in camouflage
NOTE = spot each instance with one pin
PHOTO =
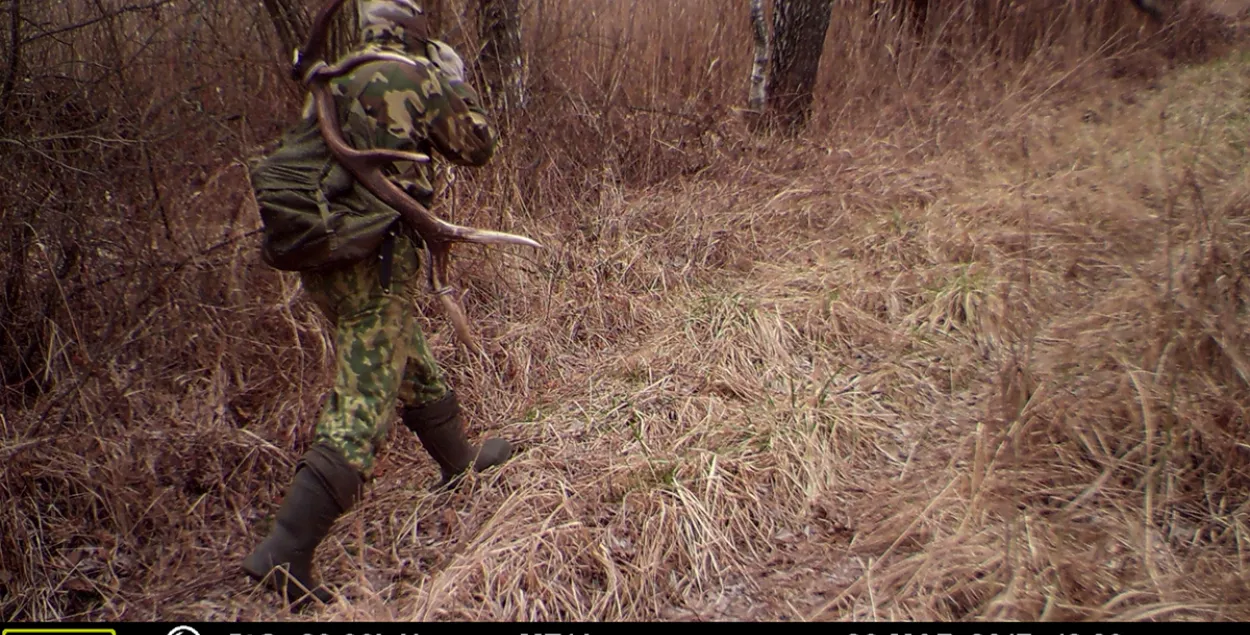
(382, 359)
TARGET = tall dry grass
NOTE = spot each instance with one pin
(942, 358)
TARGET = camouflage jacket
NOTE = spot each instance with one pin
(315, 214)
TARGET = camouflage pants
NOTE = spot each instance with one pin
(381, 355)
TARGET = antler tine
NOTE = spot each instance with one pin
(458, 233)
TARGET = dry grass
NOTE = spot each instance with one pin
(967, 351)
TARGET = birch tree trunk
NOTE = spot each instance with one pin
(757, 100)
(799, 28)
(499, 30)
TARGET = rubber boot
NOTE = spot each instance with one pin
(440, 427)
(325, 487)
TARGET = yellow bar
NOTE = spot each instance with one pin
(65, 631)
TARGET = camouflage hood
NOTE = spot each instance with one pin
(396, 24)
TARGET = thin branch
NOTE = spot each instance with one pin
(100, 18)
(51, 159)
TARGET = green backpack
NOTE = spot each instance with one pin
(316, 217)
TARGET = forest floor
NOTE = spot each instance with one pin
(835, 394)
(993, 374)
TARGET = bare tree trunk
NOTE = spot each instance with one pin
(290, 21)
(1152, 8)
(918, 16)
(799, 28)
(758, 98)
(15, 57)
(440, 18)
(499, 29)
(344, 33)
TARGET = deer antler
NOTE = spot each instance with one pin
(366, 165)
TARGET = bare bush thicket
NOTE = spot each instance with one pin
(158, 380)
